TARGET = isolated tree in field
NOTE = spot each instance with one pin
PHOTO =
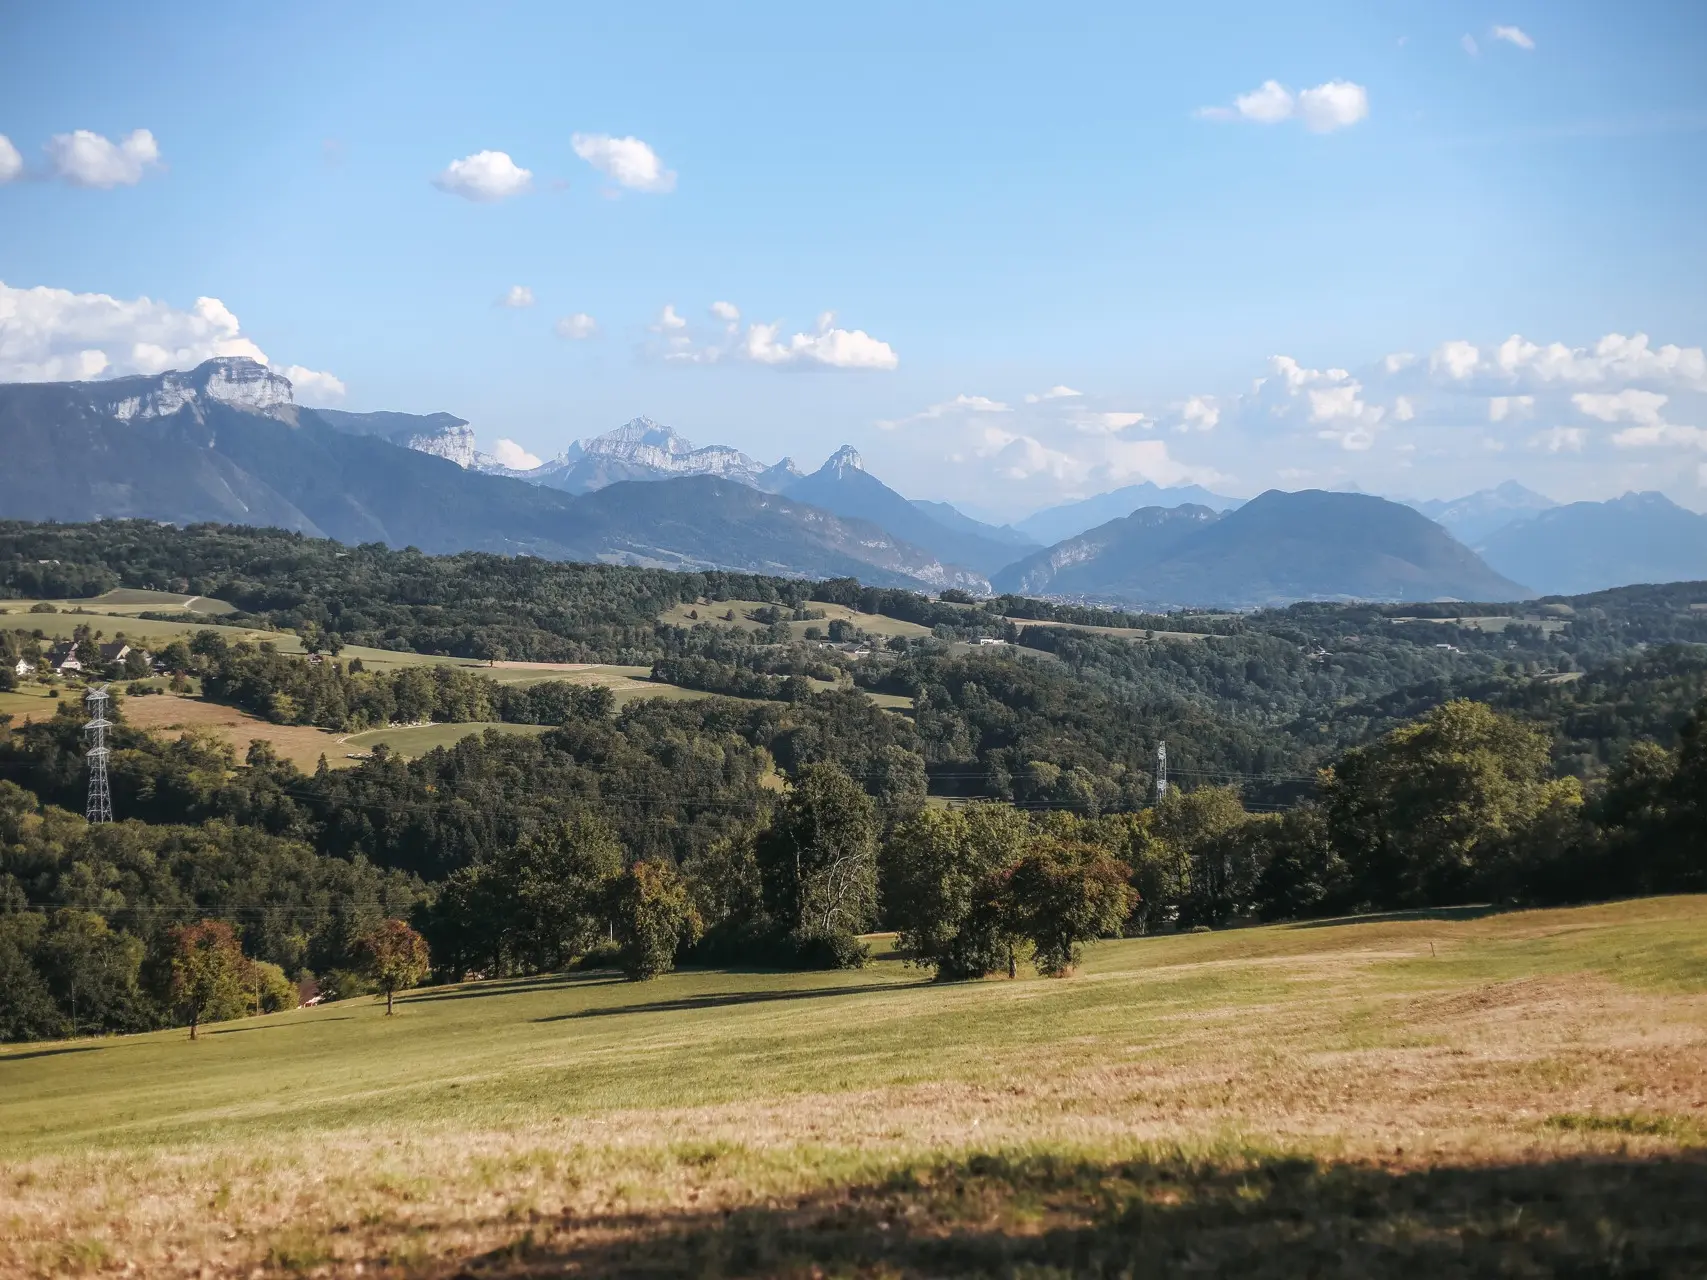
(206, 969)
(655, 918)
(1063, 894)
(394, 956)
(818, 864)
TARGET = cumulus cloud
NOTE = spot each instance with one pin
(1628, 405)
(628, 162)
(1514, 35)
(1106, 423)
(507, 453)
(668, 320)
(728, 312)
(1615, 358)
(1057, 392)
(826, 346)
(517, 296)
(1660, 434)
(1199, 413)
(1333, 105)
(51, 335)
(86, 159)
(577, 327)
(11, 163)
(485, 177)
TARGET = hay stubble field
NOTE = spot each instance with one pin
(1455, 1093)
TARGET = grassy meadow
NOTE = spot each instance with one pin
(1450, 1093)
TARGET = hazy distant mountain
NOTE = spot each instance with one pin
(1476, 515)
(1055, 523)
(225, 442)
(843, 485)
(1589, 546)
(444, 435)
(952, 517)
(1113, 559)
(1277, 548)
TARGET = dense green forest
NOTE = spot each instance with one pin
(1324, 759)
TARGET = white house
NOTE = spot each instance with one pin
(24, 667)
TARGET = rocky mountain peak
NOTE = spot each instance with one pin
(237, 381)
(843, 460)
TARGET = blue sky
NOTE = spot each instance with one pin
(991, 201)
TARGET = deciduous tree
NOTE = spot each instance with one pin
(206, 970)
(395, 957)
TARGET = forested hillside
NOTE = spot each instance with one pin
(1323, 758)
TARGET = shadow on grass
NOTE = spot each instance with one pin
(1041, 1216)
(514, 986)
(1475, 912)
(720, 999)
(49, 1053)
(276, 1026)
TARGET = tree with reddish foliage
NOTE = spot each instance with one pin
(207, 968)
(395, 956)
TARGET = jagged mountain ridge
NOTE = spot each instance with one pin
(226, 442)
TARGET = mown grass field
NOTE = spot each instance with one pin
(1447, 1094)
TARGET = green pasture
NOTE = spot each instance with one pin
(876, 624)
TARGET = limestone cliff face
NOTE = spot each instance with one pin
(234, 380)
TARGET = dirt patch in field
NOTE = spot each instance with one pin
(302, 745)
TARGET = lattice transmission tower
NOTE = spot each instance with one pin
(1161, 771)
(100, 806)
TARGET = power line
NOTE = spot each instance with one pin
(99, 806)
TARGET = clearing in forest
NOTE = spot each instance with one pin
(1457, 1092)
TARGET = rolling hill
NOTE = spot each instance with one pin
(1054, 524)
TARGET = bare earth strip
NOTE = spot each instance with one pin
(1516, 1094)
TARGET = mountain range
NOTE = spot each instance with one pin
(226, 442)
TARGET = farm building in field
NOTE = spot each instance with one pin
(23, 667)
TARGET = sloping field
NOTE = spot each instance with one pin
(302, 745)
(1445, 1094)
(876, 624)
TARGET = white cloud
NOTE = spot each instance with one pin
(507, 453)
(961, 404)
(1334, 105)
(485, 177)
(86, 159)
(628, 162)
(1103, 424)
(50, 335)
(1199, 413)
(517, 297)
(726, 311)
(668, 320)
(1469, 43)
(1560, 440)
(1327, 107)
(1456, 358)
(1270, 104)
(577, 327)
(1502, 407)
(1397, 361)
(826, 346)
(1403, 409)
(1514, 35)
(1057, 392)
(1615, 358)
(313, 388)
(1628, 405)
(11, 163)
(1660, 434)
